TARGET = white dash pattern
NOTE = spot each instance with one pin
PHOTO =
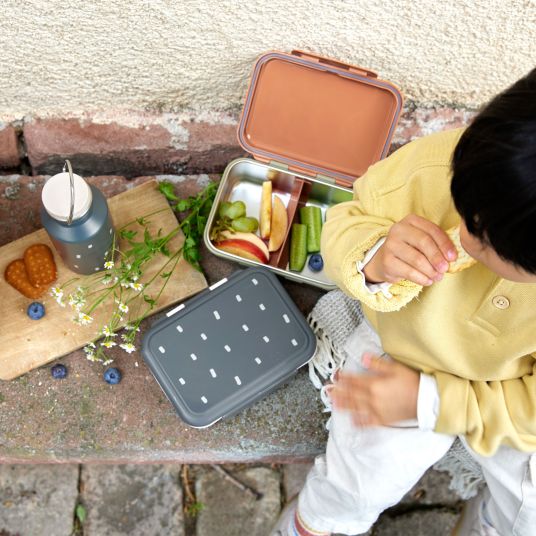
(227, 348)
(181, 381)
(258, 360)
(193, 356)
(266, 339)
(262, 307)
(217, 315)
(162, 349)
(204, 399)
(245, 327)
(179, 328)
(213, 373)
(237, 380)
(286, 318)
(203, 336)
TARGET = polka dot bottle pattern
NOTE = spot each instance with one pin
(76, 217)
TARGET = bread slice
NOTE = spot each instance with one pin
(464, 260)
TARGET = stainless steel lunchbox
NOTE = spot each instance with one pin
(313, 125)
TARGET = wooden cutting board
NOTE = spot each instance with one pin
(26, 344)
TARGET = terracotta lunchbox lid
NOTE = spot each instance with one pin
(318, 116)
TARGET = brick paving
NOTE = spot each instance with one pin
(152, 500)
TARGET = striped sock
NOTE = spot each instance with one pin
(299, 528)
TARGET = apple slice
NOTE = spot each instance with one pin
(243, 248)
(279, 224)
(265, 217)
(248, 237)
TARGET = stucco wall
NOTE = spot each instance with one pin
(69, 56)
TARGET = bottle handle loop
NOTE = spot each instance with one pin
(67, 167)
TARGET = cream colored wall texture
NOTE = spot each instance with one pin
(72, 56)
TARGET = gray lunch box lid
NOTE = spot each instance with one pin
(229, 346)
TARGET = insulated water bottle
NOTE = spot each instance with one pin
(76, 217)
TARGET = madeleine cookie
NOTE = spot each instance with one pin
(17, 277)
(464, 260)
(40, 265)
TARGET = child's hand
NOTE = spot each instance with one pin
(387, 396)
(415, 249)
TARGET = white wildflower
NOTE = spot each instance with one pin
(107, 362)
(76, 301)
(123, 308)
(128, 347)
(84, 319)
(56, 292)
(108, 265)
(136, 286)
(91, 356)
(130, 327)
(108, 344)
(125, 284)
(89, 349)
(134, 278)
(108, 332)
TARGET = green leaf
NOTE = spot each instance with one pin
(81, 513)
(194, 508)
(141, 221)
(147, 238)
(183, 205)
(166, 188)
(129, 235)
(149, 300)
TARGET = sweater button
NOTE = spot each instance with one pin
(501, 302)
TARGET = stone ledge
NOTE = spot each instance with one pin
(83, 419)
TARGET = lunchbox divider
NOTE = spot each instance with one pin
(298, 198)
(279, 258)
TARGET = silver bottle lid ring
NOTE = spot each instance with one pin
(67, 166)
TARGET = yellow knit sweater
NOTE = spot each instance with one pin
(475, 332)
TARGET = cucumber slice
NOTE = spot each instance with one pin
(298, 247)
(312, 217)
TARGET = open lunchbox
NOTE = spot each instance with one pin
(313, 125)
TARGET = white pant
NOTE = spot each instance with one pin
(366, 470)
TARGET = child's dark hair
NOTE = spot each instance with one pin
(494, 174)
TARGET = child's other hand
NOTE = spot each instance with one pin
(415, 249)
(386, 396)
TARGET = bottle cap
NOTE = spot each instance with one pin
(56, 197)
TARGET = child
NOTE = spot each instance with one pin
(463, 345)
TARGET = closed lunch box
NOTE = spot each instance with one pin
(227, 347)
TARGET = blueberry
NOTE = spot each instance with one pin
(59, 372)
(112, 376)
(316, 263)
(36, 310)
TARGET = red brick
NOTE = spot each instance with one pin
(157, 145)
(9, 151)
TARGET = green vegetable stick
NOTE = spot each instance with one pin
(312, 217)
(298, 247)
